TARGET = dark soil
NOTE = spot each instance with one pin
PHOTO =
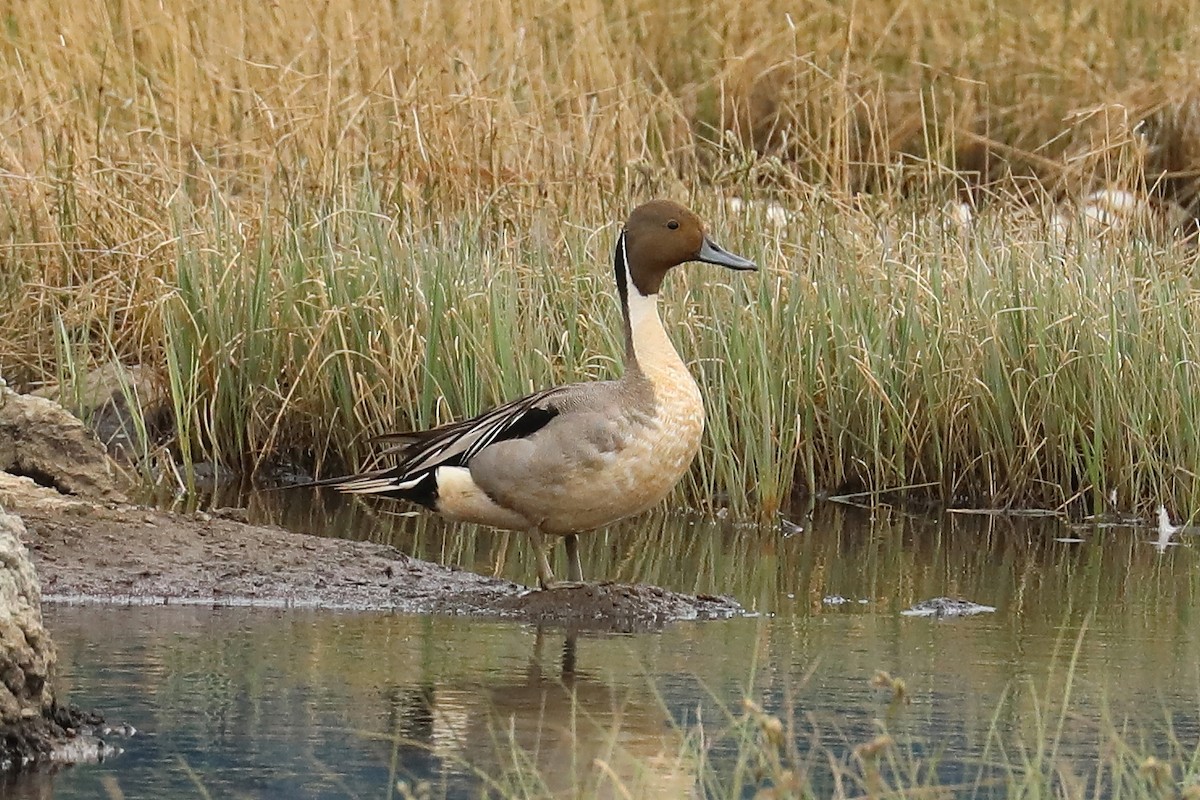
(131, 554)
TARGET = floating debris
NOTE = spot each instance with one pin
(947, 607)
(1007, 512)
(838, 600)
(1165, 531)
(789, 528)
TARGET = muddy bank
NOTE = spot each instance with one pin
(130, 554)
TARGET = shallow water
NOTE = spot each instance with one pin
(241, 702)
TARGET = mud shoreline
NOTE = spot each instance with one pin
(128, 554)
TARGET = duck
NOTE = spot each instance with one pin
(573, 458)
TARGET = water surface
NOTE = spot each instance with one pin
(1100, 634)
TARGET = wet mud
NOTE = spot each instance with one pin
(131, 554)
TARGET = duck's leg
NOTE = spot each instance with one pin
(574, 567)
(545, 574)
(501, 556)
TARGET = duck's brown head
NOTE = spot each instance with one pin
(662, 234)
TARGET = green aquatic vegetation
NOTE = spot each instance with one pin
(870, 355)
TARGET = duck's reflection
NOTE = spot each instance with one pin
(558, 732)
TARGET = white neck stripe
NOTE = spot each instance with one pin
(643, 311)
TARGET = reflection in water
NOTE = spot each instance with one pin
(304, 704)
(567, 732)
(301, 704)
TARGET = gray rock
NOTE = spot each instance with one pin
(34, 728)
(39, 439)
(26, 652)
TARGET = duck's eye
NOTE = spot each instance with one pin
(673, 224)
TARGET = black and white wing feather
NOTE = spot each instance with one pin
(422, 453)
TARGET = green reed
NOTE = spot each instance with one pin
(874, 352)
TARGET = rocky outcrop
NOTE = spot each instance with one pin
(26, 652)
(40, 440)
(48, 460)
(33, 727)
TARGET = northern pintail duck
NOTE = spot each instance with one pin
(574, 458)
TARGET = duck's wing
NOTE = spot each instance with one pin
(421, 453)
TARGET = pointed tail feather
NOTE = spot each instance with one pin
(391, 483)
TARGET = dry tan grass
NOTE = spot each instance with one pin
(579, 105)
(140, 135)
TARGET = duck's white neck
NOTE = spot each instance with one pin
(648, 349)
(648, 343)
